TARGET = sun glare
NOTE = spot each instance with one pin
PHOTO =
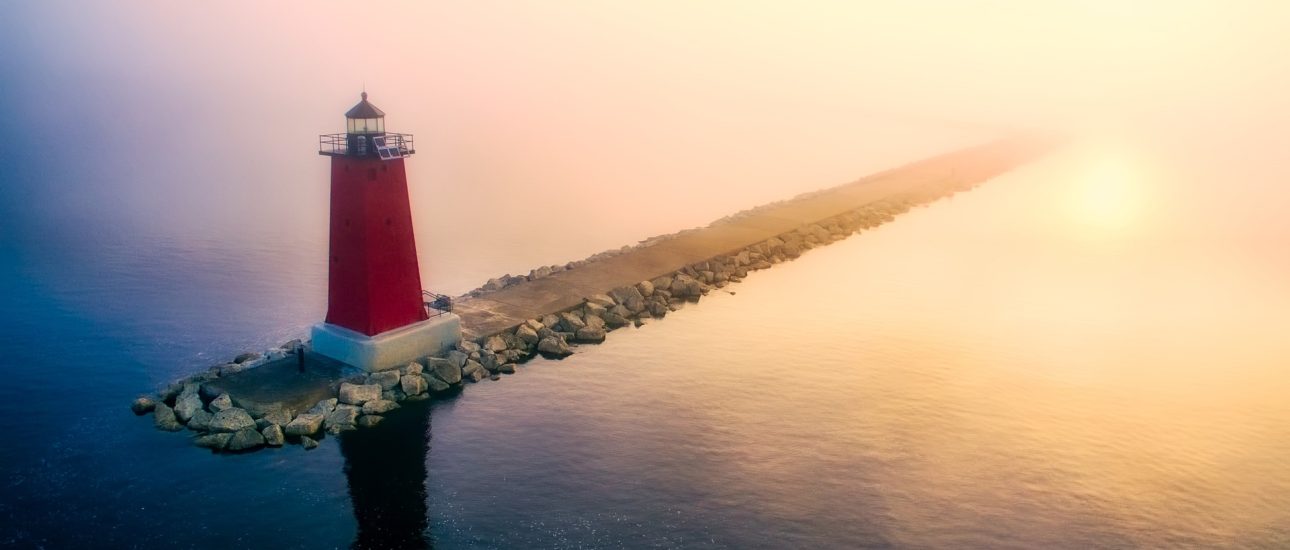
(1105, 200)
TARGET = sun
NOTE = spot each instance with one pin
(1106, 197)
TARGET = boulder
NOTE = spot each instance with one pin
(248, 356)
(467, 346)
(201, 421)
(601, 300)
(495, 343)
(549, 321)
(245, 440)
(213, 441)
(411, 368)
(308, 443)
(223, 402)
(474, 371)
(305, 424)
(413, 384)
(629, 297)
(590, 335)
(385, 379)
(279, 416)
(369, 420)
(143, 405)
(436, 385)
(506, 368)
(342, 419)
(324, 407)
(357, 394)
(164, 418)
(534, 324)
(186, 405)
(527, 335)
(380, 406)
(570, 322)
(457, 358)
(555, 346)
(646, 288)
(232, 420)
(613, 320)
(488, 360)
(661, 283)
(595, 322)
(273, 436)
(394, 394)
(446, 371)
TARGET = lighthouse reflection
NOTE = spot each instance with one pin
(385, 467)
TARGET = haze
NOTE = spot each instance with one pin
(629, 119)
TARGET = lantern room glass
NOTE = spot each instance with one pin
(365, 125)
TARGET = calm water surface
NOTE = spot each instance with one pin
(1086, 352)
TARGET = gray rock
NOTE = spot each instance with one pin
(601, 300)
(223, 402)
(552, 345)
(369, 420)
(570, 322)
(232, 420)
(506, 368)
(594, 322)
(467, 346)
(473, 372)
(248, 356)
(385, 379)
(549, 321)
(413, 384)
(305, 424)
(273, 436)
(143, 405)
(446, 371)
(380, 406)
(340, 420)
(411, 368)
(308, 443)
(591, 335)
(324, 407)
(396, 394)
(279, 416)
(495, 344)
(164, 418)
(357, 394)
(421, 397)
(457, 358)
(245, 440)
(186, 405)
(201, 421)
(436, 385)
(629, 297)
(213, 441)
(534, 325)
(646, 288)
(527, 335)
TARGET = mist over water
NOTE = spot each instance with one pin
(1089, 351)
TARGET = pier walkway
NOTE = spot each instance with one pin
(503, 309)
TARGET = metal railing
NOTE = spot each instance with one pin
(437, 304)
(361, 144)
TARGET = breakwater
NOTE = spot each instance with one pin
(264, 399)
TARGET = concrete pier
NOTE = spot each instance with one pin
(504, 309)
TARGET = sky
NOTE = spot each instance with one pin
(204, 115)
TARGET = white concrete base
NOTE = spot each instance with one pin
(390, 349)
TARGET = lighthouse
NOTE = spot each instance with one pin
(378, 316)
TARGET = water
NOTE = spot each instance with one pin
(1086, 352)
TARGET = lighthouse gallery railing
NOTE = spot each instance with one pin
(338, 144)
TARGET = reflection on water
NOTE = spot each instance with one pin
(386, 470)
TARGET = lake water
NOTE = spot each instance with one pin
(1089, 351)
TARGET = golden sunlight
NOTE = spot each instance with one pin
(1107, 197)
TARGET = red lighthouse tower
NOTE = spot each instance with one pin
(377, 317)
